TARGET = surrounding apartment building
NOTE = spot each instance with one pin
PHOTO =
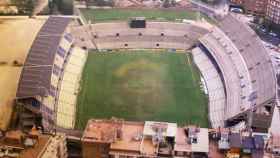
(273, 11)
(15, 143)
(274, 145)
(255, 7)
(270, 9)
(239, 2)
(56, 147)
(118, 138)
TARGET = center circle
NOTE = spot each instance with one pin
(141, 76)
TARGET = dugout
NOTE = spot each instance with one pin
(137, 22)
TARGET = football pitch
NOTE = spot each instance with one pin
(102, 15)
(141, 85)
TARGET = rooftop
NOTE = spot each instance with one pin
(248, 143)
(196, 140)
(202, 144)
(36, 74)
(235, 140)
(12, 143)
(181, 143)
(132, 133)
(123, 136)
(168, 129)
(131, 138)
(104, 131)
(37, 149)
(148, 148)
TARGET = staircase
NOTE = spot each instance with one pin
(28, 117)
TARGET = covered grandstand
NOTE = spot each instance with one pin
(39, 62)
(246, 67)
(42, 75)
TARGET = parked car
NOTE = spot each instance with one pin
(236, 10)
(273, 34)
(264, 30)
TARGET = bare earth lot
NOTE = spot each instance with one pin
(16, 37)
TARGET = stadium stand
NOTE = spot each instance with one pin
(69, 88)
(235, 66)
(215, 87)
(230, 73)
(246, 67)
(40, 59)
(40, 80)
(155, 35)
(254, 54)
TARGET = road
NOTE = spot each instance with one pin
(221, 8)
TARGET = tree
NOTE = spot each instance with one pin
(65, 6)
(29, 7)
(169, 3)
(51, 6)
(24, 6)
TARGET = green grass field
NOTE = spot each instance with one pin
(141, 85)
(101, 15)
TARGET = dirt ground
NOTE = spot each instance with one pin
(5, 7)
(16, 37)
(4, 2)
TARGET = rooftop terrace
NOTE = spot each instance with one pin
(131, 137)
(15, 143)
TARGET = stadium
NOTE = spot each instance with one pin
(160, 71)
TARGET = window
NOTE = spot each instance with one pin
(180, 153)
(52, 91)
(56, 70)
(68, 37)
(61, 52)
